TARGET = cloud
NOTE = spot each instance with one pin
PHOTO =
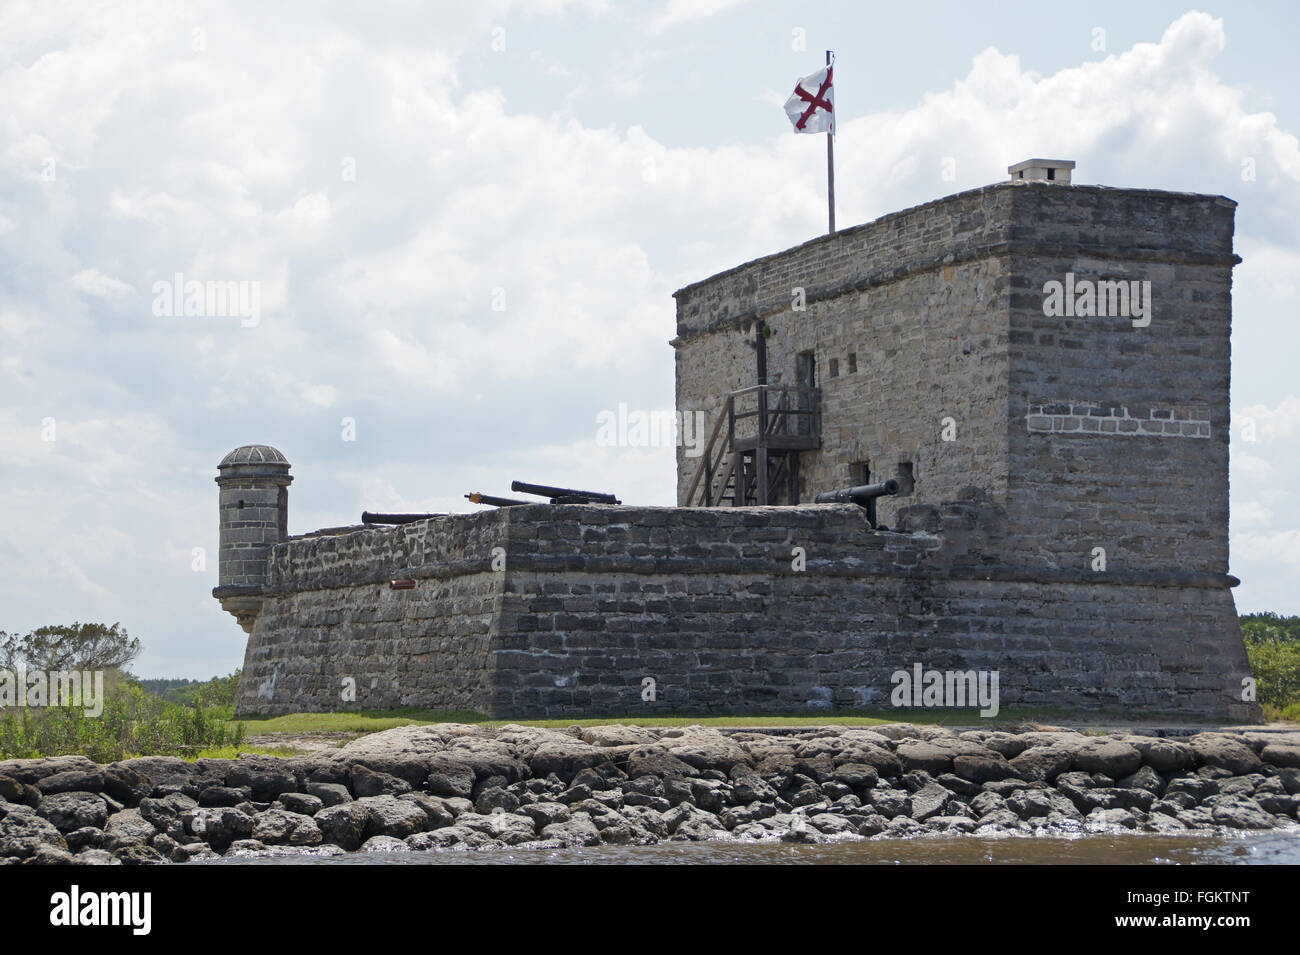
(469, 281)
(96, 283)
(677, 12)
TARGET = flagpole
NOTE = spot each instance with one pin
(830, 164)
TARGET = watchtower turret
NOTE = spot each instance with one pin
(254, 515)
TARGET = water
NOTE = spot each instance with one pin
(1246, 848)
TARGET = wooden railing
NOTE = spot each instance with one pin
(777, 410)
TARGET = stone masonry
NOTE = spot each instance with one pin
(1064, 520)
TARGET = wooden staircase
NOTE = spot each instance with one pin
(754, 460)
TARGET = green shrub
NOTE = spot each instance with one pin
(134, 723)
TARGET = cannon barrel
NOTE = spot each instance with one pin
(368, 518)
(859, 495)
(564, 495)
(478, 497)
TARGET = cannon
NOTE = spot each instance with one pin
(370, 518)
(478, 497)
(863, 495)
(564, 495)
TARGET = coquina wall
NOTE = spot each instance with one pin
(716, 608)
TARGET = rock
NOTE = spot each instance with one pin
(74, 810)
(546, 814)
(1225, 752)
(929, 801)
(1239, 812)
(451, 782)
(708, 750)
(89, 836)
(1101, 820)
(1102, 755)
(368, 782)
(282, 827)
(126, 828)
(343, 825)
(225, 796)
(1279, 805)
(160, 771)
(1029, 803)
(137, 853)
(11, 790)
(578, 830)
(1145, 778)
(330, 794)
(918, 754)
(384, 844)
(95, 857)
(167, 813)
(390, 816)
(565, 756)
(31, 771)
(74, 780)
(303, 803)
(50, 855)
(1195, 786)
(1282, 754)
(985, 803)
(653, 761)
(982, 769)
(1164, 756)
(1000, 819)
(21, 833)
(496, 798)
(1042, 763)
(951, 824)
(1162, 823)
(962, 787)
(858, 775)
(266, 784)
(891, 803)
(436, 810)
(218, 827)
(197, 852)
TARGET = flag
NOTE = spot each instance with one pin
(811, 106)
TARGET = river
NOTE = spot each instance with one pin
(1245, 848)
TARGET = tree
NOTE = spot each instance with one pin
(81, 646)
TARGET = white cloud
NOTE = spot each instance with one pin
(378, 292)
(96, 283)
(677, 12)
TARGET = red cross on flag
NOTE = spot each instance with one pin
(811, 107)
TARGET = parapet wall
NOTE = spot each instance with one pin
(569, 610)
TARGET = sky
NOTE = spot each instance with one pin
(463, 224)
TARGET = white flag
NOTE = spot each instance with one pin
(811, 107)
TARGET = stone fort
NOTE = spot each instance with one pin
(1061, 512)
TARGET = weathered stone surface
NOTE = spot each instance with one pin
(21, 834)
(1281, 754)
(1101, 755)
(1225, 752)
(75, 780)
(344, 824)
(74, 810)
(390, 816)
(1043, 763)
(282, 827)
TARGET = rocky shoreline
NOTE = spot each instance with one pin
(452, 786)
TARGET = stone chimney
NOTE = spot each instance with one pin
(1048, 170)
(254, 516)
